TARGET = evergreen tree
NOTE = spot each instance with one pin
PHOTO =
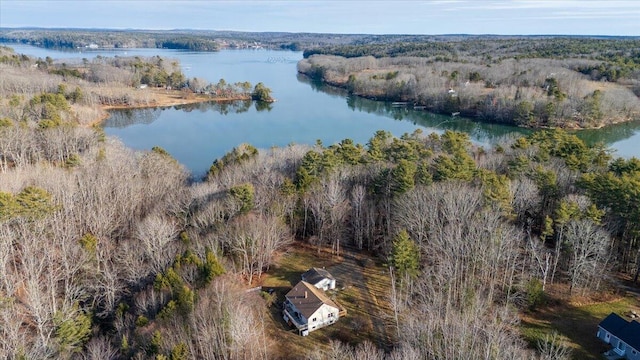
(261, 93)
(405, 255)
(73, 330)
(244, 194)
(403, 177)
(212, 267)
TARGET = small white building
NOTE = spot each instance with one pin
(307, 308)
(319, 278)
(622, 335)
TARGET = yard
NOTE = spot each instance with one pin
(362, 287)
(576, 323)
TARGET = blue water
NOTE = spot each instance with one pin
(303, 113)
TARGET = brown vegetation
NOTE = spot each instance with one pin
(525, 92)
(92, 87)
(110, 253)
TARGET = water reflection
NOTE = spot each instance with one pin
(610, 134)
(126, 117)
(306, 110)
(222, 107)
(121, 118)
(481, 132)
(319, 86)
(263, 106)
(226, 107)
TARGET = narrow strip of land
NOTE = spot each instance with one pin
(165, 98)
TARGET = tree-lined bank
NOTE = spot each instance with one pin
(531, 82)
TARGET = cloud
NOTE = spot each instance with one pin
(559, 4)
(520, 5)
(590, 15)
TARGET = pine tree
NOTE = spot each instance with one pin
(405, 256)
(244, 194)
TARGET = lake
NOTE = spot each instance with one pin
(304, 112)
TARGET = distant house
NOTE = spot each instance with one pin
(320, 278)
(307, 308)
(622, 335)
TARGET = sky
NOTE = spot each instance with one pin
(503, 17)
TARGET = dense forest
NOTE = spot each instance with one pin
(557, 82)
(348, 45)
(196, 40)
(80, 39)
(108, 253)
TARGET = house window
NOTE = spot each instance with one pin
(330, 315)
(314, 319)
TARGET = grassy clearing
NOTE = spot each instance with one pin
(290, 265)
(577, 324)
(362, 288)
(281, 277)
(365, 286)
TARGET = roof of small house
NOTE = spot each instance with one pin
(631, 334)
(315, 275)
(613, 322)
(627, 331)
(308, 299)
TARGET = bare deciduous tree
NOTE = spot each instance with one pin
(225, 321)
(588, 254)
(101, 348)
(158, 237)
(330, 207)
(253, 241)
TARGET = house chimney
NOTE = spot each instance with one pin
(305, 294)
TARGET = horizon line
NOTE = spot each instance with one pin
(305, 32)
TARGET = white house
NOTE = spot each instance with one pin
(307, 308)
(319, 278)
(622, 335)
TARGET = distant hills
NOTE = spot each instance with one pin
(212, 40)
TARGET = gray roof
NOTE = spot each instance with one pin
(315, 275)
(308, 299)
(627, 331)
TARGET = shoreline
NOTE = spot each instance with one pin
(164, 98)
(568, 126)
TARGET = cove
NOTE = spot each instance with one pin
(303, 113)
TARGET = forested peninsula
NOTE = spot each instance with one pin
(442, 249)
(49, 92)
(573, 83)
